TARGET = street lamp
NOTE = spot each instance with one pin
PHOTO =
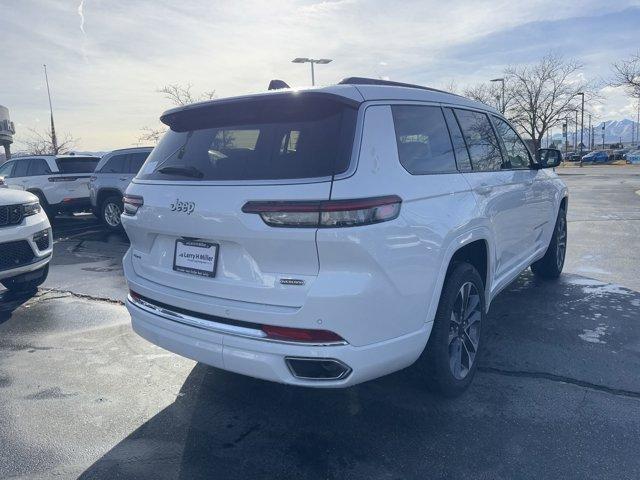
(501, 80)
(581, 125)
(321, 61)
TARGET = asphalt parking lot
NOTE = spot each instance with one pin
(557, 394)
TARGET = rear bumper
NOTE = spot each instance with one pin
(265, 359)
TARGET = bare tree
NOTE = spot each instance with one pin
(450, 86)
(489, 94)
(178, 95)
(543, 94)
(626, 73)
(37, 143)
(182, 95)
(151, 135)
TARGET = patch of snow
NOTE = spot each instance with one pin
(584, 281)
(596, 270)
(598, 288)
(609, 288)
(593, 336)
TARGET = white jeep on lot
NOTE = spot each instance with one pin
(25, 241)
(60, 182)
(329, 236)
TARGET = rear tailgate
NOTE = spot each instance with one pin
(72, 179)
(254, 261)
(217, 158)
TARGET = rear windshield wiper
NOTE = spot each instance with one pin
(189, 171)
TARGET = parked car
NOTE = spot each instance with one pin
(60, 182)
(572, 157)
(111, 178)
(633, 156)
(619, 154)
(25, 241)
(597, 156)
(325, 237)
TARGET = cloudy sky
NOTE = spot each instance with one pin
(107, 58)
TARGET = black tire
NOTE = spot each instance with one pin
(107, 212)
(550, 266)
(48, 210)
(27, 282)
(448, 337)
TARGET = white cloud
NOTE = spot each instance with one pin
(104, 81)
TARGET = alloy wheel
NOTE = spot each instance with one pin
(112, 214)
(464, 330)
(561, 235)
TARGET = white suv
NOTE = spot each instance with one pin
(325, 237)
(25, 241)
(60, 182)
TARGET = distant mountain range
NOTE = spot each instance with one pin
(614, 130)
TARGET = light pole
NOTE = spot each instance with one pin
(501, 80)
(54, 140)
(581, 125)
(638, 124)
(320, 61)
(575, 133)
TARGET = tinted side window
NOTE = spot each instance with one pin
(460, 148)
(38, 166)
(481, 140)
(516, 152)
(116, 164)
(5, 169)
(423, 141)
(21, 168)
(136, 160)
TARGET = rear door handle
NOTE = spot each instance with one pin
(484, 189)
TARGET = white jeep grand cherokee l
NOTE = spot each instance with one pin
(328, 236)
(25, 241)
(60, 182)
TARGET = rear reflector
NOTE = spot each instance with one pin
(303, 335)
(131, 204)
(327, 214)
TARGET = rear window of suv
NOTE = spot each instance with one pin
(277, 137)
(77, 164)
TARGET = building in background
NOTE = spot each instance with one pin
(7, 130)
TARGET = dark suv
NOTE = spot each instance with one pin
(111, 178)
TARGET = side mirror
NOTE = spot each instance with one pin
(549, 158)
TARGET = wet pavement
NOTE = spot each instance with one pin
(557, 394)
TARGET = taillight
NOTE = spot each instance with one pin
(327, 214)
(300, 334)
(131, 204)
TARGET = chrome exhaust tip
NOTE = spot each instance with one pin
(317, 368)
